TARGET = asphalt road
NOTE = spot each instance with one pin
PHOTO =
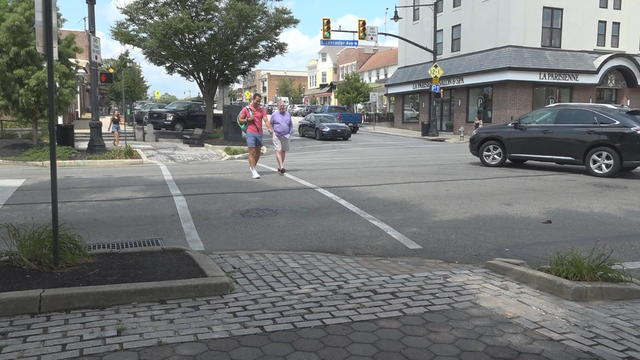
(433, 194)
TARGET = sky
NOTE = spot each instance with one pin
(303, 40)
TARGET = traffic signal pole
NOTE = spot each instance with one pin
(96, 143)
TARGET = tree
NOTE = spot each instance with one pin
(135, 86)
(23, 71)
(286, 88)
(211, 42)
(168, 98)
(353, 90)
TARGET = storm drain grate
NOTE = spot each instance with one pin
(258, 213)
(135, 244)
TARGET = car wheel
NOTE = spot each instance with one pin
(492, 154)
(179, 127)
(603, 162)
(300, 132)
(517, 161)
(318, 134)
(628, 169)
(346, 138)
(354, 130)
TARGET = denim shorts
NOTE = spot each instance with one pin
(253, 139)
(115, 128)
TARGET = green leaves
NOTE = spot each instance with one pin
(127, 70)
(597, 265)
(211, 42)
(353, 90)
(286, 88)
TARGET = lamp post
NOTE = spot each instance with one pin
(96, 143)
(432, 128)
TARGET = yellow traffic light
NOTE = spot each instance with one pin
(362, 29)
(326, 29)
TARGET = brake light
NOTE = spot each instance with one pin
(340, 117)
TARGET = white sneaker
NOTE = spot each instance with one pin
(255, 174)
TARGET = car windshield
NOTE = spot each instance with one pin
(148, 106)
(325, 119)
(177, 106)
(336, 109)
(157, 106)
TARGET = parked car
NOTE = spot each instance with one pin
(342, 115)
(179, 115)
(140, 115)
(604, 138)
(137, 105)
(323, 126)
(296, 110)
(271, 108)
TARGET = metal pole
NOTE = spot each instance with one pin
(51, 93)
(433, 128)
(96, 142)
(124, 111)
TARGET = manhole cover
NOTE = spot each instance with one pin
(258, 213)
(135, 244)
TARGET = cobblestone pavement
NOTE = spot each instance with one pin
(170, 152)
(324, 306)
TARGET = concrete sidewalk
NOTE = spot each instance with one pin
(315, 306)
(446, 137)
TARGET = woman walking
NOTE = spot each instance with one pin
(114, 127)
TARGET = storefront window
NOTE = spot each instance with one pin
(547, 95)
(392, 104)
(480, 104)
(411, 108)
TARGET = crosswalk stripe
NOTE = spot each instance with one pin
(7, 188)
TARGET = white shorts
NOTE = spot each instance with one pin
(281, 143)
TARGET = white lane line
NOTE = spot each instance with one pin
(370, 218)
(631, 265)
(190, 231)
(7, 188)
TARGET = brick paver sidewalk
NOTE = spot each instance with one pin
(299, 306)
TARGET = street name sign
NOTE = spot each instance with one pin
(351, 43)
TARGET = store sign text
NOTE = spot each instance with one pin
(447, 81)
(554, 76)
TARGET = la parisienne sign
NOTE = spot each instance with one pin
(557, 76)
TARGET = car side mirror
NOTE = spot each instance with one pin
(516, 124)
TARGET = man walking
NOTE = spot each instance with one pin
(282, 131)
(254, 115)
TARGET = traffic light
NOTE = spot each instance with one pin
(362, 29)
(326, 29)
(106, 78)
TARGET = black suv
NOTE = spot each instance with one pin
(178, 115)
(604, 138)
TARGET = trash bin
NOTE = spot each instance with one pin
(230, 128)
(64, 135)
(425, 128)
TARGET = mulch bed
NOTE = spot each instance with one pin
(13, 147)
(106, 269)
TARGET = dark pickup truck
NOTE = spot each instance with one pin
(342, 115)
(179, 115)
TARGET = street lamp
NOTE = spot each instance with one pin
(432, 129)
(96, 142)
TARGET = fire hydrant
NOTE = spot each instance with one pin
(461, 132)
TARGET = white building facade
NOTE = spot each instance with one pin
(503, 58)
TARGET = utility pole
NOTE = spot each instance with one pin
(433, 126)
(51, 92)
(96, 142)
(124, 105)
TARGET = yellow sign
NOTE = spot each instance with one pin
(111, 70)
(436, 71)
(156, 94)
(435, 81)
(247, 94)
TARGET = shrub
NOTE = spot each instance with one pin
(31, 247)
(235, 150)
(41, 153)
(126, 152)
(597, 265)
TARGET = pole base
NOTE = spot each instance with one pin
(96, 143)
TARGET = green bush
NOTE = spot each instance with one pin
(215, 134)
(31, 247)
(9, 135)
(41, 153)
(235, 150)
(597, 265)
(126, 152)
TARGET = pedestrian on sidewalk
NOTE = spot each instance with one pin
(254, 115)
(282, 130)
(477, 123)
(114, 127)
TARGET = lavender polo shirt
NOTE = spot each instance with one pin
(281, 123)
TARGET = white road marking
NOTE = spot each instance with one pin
(190, 231)
(631, 265)
(370, 218)
(7, 188)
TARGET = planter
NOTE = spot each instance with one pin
(567, 289)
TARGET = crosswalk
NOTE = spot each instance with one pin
(7, 188)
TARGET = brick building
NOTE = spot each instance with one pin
(266, 82)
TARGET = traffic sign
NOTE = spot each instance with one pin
(96, 52)
(435, 81)
(372, 33)
(156, 94)
(247, 94)
(373, 97)
(349, 43)
(436, 71)
(435, 88)
(39, 25)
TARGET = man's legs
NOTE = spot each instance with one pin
(280, 158)
(252, 157)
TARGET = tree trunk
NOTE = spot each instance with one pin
(209, 98)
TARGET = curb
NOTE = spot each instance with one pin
(38, 301)
(68, 163)
(567, 289)
(225, 156)
(436, 139)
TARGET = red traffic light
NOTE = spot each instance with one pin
(106, 78)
